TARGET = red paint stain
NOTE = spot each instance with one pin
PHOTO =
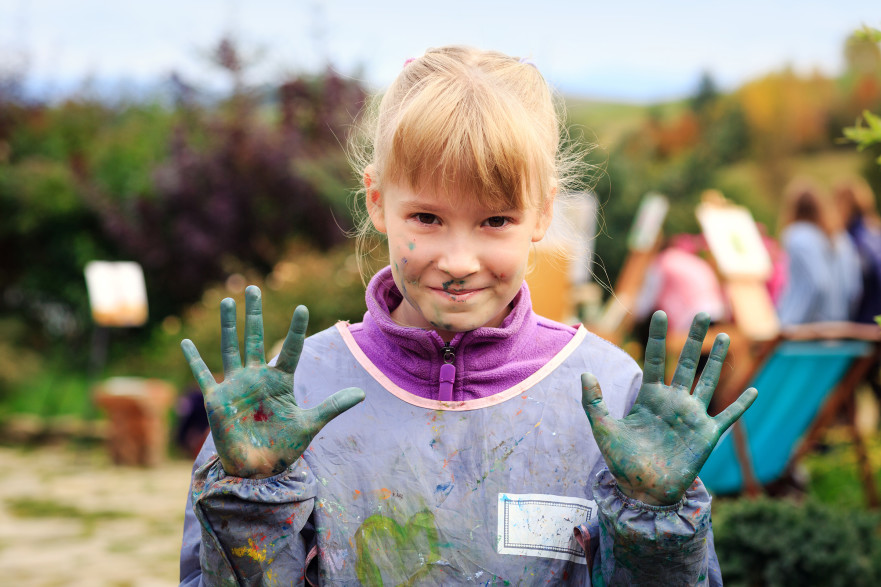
(356, 495)
(290, 521)
(260, 415)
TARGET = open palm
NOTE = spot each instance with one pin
(257, 427)
(657, 450)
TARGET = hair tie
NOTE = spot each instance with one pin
(527, 61)
(409, 61)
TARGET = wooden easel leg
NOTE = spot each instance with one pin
(863, 465)
(834, 404)
(751, 486)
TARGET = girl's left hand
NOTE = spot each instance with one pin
(657, 450)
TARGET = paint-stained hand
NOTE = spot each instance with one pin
(657, 450)
(257, 426)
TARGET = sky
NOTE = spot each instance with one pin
(629, 50)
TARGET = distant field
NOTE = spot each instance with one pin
(759, 187)
(748, 184)
(603, 122)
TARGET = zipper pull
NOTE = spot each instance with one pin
(447, 374)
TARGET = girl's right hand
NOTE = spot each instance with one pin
(258, 429)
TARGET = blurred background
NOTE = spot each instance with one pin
(205, 141)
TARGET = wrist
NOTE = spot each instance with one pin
(652, 497)
(257, 464)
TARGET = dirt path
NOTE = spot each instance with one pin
(69, 517)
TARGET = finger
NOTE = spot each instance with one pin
(254, 354)
(592, 400)
(686, 367)
(293, 342)
(229, 338)
(730, 414)
(333, 406)
(656, 349)
(706, 385)
(200, 370)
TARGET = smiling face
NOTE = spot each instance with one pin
(457, 263)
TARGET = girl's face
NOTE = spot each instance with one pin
(457, 264)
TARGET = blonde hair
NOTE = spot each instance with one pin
(482, 121)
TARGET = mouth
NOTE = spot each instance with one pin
(456, 295)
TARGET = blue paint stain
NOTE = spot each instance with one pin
(445, 489)
(433, 442)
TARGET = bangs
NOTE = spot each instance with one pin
(461, 138)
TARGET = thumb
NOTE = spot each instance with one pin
(592, 399)
(333, 406)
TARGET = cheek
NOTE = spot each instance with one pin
(510, 266)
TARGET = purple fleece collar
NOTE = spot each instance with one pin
(487, 360)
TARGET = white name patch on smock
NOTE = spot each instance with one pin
(535, 524)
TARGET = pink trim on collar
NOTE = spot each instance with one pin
(474, 404)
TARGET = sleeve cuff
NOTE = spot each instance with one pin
(293, 484)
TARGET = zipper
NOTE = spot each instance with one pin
(447, 374)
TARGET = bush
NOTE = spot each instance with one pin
(768, 542)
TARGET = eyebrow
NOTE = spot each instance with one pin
(414, 204)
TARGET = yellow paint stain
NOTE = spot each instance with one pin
(250, 550)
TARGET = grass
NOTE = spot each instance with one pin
(31, 508)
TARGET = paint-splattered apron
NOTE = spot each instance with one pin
(415, 492)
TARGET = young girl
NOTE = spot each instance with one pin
(458, 450)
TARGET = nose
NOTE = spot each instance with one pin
(459, 259)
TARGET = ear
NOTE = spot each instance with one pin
(545, 216)
(373, 199)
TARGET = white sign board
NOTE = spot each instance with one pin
(734, 240)
(117, 293)
(648, 222)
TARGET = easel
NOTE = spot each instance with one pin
(743, 265)
(136, 407)
(643, 241)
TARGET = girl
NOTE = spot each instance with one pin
(823, 267)
(470, 459)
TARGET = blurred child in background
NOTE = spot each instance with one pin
(823, 281)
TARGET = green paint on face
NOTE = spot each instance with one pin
(446, 285)
(411, 246)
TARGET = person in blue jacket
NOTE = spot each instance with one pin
(470, 441)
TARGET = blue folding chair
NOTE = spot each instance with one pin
(802, 385)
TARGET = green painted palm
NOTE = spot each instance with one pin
(257, 426)
(657, 450)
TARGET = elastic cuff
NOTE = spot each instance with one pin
(606, 477)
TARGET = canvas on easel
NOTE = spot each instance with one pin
(743, 262)
(117, 293)
(642, 243)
